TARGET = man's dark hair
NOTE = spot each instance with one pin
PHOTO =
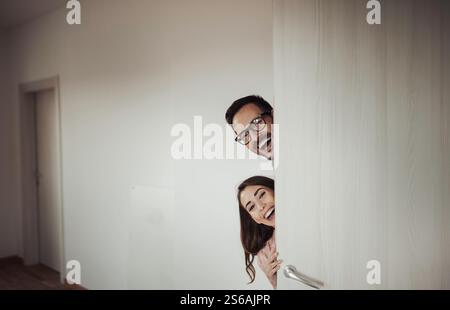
(238, 104)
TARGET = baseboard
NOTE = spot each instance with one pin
(12, 259)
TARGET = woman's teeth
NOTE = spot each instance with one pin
(269, 213)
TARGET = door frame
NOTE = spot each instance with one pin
(28, 167)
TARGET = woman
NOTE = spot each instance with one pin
(257, 215)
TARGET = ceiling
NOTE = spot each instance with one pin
(16, 12)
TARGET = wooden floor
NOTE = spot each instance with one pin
(15, 276)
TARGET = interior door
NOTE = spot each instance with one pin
(363, 177)
(48, 176)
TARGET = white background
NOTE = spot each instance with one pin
(128, 73)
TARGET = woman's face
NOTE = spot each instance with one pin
(259, 201)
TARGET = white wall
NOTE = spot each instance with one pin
(128, 73)
(8, 238)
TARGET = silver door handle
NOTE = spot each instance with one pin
(292, 273)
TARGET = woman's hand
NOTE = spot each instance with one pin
(268, 261)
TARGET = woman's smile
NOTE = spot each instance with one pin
(270, 214)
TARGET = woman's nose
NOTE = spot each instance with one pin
(261, 206)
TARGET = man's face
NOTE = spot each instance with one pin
(254, 129)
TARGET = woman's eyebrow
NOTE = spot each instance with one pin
(256, 193)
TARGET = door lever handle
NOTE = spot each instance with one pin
(292, 273)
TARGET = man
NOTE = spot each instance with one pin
(251, 118)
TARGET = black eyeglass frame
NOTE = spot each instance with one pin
(249, 126)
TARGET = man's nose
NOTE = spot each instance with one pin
(253, 145)
(263, 134)
(254, 136)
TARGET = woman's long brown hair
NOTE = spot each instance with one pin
(254, 236)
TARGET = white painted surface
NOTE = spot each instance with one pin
(49, 178)
(8, 213)
(125, 80)
(16, 12)
(152, 218)
(364, 142)
(445, 123)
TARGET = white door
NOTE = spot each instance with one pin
(363, 178)
(48, 158)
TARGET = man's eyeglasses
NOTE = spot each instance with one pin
(256, 125)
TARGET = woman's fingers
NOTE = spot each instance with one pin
(273, 257)
(268, 259)
(276, 263)
(275, 269)
(262, 254)
(273, 249)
